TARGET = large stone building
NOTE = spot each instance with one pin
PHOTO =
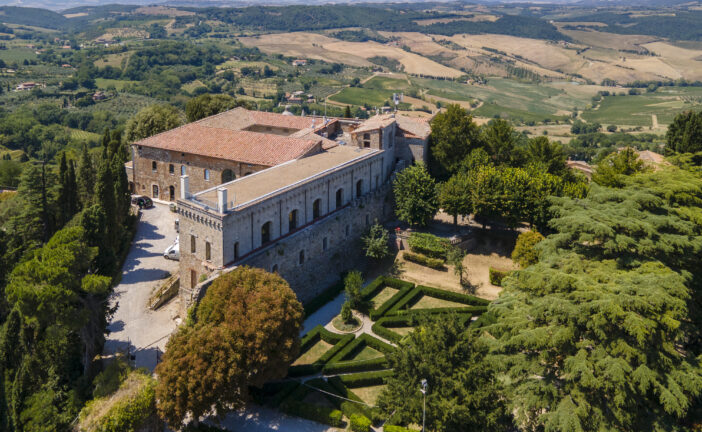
(288, 194)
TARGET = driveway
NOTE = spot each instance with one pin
(134, 326)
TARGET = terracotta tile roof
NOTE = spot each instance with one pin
(375, 122)
(309, 134)
(241, 118)
(236, 145)
(418, 127)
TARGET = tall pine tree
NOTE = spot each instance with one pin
(86, 178)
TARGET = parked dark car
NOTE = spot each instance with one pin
(142, 201)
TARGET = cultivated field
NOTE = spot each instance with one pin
(317, 46)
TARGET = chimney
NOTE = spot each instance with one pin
(184, 187)
(222, 200)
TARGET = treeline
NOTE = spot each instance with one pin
(682, 25)
(68, 227)
(306, 18)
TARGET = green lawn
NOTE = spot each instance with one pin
(402, 331)
(361, 96)
(428, 302)
(314, 353)
(369, 394)
(364, 352)
(384, 295)
(385, 83)
(636, 110)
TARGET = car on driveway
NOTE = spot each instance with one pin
(173, 251)
(142, 201)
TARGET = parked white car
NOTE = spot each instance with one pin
(173, 251)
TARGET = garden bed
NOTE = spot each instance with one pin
(312, 356)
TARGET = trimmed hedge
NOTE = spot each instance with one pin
(496, 276)
(273, 393)
(311, 338)
(473, 304)
(365, 379)
(347, 407)
(337, 365)
(429, 245)
(360, 423)
(293, 404)
(324, 297)
(435, 263)
(377, 285)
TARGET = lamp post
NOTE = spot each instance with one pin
(424, 411)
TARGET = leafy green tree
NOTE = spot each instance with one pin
(347, 112)
(415, 195)
(206, 105)
(346, 312)
(591, 346)
(353, 282)
(525, 253)
(463, 390)
(612, 170)
(454, 196)
(376, 242)
(232, 345)
(685, 132)
(152, 120)
(454, 135)
(502, 143)
(455, 256)
(547, 154)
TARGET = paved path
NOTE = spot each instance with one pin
(134, 326)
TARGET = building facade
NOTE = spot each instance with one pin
(257, 191)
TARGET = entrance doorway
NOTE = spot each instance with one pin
(193, 279)
(154, 191)
(171, 193)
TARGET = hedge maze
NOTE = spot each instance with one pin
(335, 365)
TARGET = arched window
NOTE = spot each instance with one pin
(302, 257)
(236, 250)
(228, 175)
(154, 191)
(367, 220)
(171, 193)
(359, 188)
(207, 174)
(153, 166)
(316, 208)
(182, 170)
(339, 197)
(325, 243)
(275, 268)
(192, 244)
(208, 251)
(292, 220)
(266, 233)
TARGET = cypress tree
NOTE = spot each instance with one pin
(105, 197)
(86, 178)
(121, 190)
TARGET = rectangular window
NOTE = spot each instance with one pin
(171, 169)
(208, 251)
(192, 244)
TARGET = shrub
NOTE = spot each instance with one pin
(377, 285)
(473, 304)
(352, 286)
(496, 276)
(429, 245)
(435, 263)
(337, 365)
(360, 423)
(347, 407)
(524, 252)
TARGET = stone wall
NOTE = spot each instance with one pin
(329, 246)
(145, 177)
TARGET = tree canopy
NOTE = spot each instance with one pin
(245, 333)
(152, 120)
(685, 132)
(453, 136)
(463, 390)
(415, 195)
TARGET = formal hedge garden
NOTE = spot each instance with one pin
(360, 362)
